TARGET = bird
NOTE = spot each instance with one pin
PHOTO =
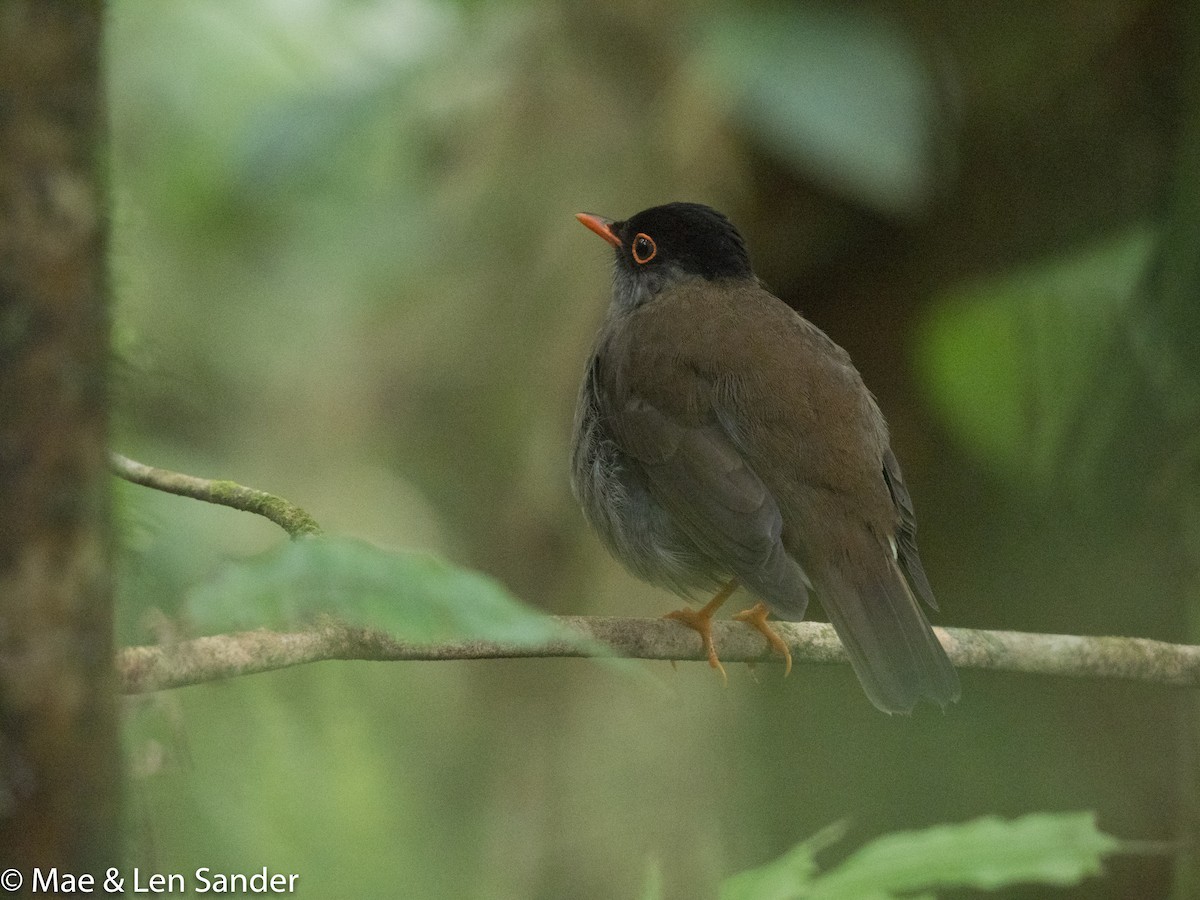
(721, 440)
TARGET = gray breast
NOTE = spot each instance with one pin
(633, 525)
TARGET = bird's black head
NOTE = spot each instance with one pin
(661, 244)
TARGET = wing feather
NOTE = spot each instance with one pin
(697, 473)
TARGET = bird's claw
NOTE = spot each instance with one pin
(756, 618)
(701, 622)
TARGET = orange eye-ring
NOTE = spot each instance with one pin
(644, 248)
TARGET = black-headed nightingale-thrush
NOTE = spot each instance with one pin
(722, 440)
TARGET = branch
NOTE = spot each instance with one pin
(291, 518)
(144, 669)
(155, 668)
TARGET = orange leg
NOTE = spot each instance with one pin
(700, 620)
(756, 618)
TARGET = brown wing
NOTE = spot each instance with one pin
(697, 474)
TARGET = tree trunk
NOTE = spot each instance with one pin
(59, 761)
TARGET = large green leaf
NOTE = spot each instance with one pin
(413, 596)
(989, 853)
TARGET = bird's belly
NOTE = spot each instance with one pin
(634, 526)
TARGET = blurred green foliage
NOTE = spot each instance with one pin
(413, 596)
(863, 125)
(346, 271)
(1011, 364)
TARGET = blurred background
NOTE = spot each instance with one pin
(347, 271)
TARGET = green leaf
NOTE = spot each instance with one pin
(413, 596)
(1043, 848)
(1010, 363)
(1059, 849)
(836, 93)
(783, 877)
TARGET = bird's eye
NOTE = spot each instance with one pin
(644, 248)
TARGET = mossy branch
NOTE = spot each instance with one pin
(143, 669)
(291, 518)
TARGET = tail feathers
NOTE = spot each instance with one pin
(891, 645)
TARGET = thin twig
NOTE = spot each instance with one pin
(291, 518)
(143, 669)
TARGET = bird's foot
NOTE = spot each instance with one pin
(700, 621)
(756, 618)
